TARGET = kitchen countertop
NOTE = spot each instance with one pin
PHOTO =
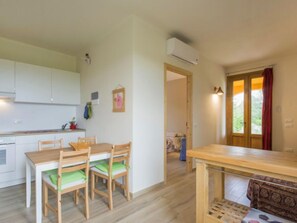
(40, 132)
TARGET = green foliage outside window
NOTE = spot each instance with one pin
(238, 113)
(256, 118)
(256, 112)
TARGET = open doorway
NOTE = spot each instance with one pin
(178, 116)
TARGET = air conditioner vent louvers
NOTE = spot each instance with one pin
(182, 51)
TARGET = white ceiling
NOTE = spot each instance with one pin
(227, 31)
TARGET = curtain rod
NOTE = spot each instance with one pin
(249, 69)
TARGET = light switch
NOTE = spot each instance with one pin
(289, 120)
(17, 121)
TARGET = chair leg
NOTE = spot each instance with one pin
(87, 201)
(76, 197)
(59, 207)
(45, 200)
(109, 192)
(127, 187)
(113, 185)
(92, 185)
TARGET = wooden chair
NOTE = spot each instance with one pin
(73, 171)
(50, 144)
(91, 140)
(79, 145)
(120, 157)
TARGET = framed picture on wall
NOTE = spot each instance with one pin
(118, 97)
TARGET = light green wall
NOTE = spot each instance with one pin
(22, 52)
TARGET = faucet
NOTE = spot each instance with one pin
(64, 126)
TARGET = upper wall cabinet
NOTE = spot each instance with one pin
(36, 84)
(65, 87)
(7, 76)
(33, 83)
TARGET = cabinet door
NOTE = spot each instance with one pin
(7, 76)
(65, 87)
(33, 83)
(21, 158)
(26, 144)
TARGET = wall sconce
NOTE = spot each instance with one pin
(218, 91)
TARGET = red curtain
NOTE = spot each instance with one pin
(267, 109)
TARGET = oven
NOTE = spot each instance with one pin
(7, 154)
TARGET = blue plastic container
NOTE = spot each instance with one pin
(182, 155)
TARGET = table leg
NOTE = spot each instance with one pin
(202, 192)
(219, 183)
(38, 195)
(28, 184)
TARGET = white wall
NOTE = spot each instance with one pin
(26, 53)
(209, 111)
(148, 103)
(284, 102)
(111, 66)
(133, 55)
(177, 105)
(34, 116)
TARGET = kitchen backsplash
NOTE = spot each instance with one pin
(19, 117)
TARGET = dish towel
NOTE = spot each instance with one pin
(88, 111)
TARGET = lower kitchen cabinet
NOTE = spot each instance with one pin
(29, 143)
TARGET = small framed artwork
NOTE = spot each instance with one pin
(118, 97)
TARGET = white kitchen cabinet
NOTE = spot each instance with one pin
(26, 144)
(29, 143)
(7, 77)
(33, 83)
(65, 87)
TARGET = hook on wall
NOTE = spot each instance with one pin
(87, 58)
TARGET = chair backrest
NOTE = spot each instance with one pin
(79, 145)
(120, 153)
(91, 140)
(73, 161)
(50, 144)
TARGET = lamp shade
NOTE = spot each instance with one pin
(218, 91)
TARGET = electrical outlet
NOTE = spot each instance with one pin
(17, 121)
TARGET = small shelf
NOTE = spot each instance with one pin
(228, 211)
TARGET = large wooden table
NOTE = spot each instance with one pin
(47, 160)
(268, 163)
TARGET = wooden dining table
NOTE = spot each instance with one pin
(41, 161)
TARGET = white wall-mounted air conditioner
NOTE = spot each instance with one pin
(181, 50)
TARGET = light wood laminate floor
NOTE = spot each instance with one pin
(173, 202)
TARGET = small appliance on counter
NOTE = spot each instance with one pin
(73, 124)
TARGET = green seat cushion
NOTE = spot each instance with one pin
(50, 172)
(69, 177)
(115, 167)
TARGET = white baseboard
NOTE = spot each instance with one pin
(146, 190)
